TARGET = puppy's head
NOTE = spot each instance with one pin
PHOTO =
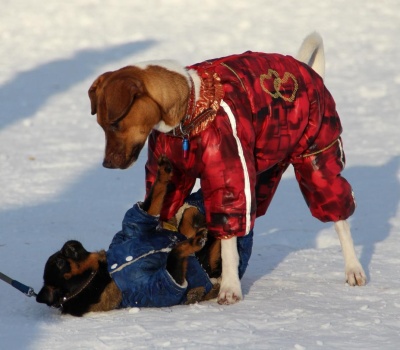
(65, 271)
(126, 112)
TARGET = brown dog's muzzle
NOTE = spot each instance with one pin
(116, 160)
(109, 164)
(126, 113)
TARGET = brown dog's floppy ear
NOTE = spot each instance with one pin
(93, 91)
(93, 99)
(119, 95)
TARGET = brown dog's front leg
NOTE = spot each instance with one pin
(154, 201)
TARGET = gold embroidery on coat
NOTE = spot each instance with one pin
(272, 74)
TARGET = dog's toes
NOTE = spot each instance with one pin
(356, 276)
(356, 279)
(361, 279)
(228, 297)
(230, 292)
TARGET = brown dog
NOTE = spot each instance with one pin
(78, 281)
(247, 118)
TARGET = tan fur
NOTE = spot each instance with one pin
(109, 300)
(170, 90)
(130, 102)
(215, 254)
(185, 226)
(111, 296)
(156, 198)
(78, 268)
(158, 192)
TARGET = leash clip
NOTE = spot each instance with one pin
(31, 292)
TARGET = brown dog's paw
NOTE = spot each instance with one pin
(164, 172)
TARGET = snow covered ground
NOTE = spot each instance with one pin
(53, 188)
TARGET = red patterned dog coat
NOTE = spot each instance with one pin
(265, 111)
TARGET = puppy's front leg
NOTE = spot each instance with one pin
(231, 289)
(178, 257)
(154, 202)
(355, 274)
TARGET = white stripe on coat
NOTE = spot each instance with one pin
(342, 158)
(247, 190)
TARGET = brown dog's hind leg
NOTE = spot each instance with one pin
(155, 199)
(177, 258)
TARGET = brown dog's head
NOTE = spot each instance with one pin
(66, 273)
(130, 102)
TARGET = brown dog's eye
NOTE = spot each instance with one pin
(114, 126)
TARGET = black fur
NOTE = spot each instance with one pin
(56, 286)
(90, 295)
(176, 267)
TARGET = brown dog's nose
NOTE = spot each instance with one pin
(108, 164)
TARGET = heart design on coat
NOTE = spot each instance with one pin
(288, 82)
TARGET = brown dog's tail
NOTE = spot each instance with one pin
(312, 53)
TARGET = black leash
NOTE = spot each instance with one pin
(28, 291)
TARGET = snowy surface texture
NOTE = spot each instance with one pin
(53, 187)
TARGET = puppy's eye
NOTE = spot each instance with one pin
(60, 263)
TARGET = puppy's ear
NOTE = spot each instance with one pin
(120, 94)
(93, 90)
(49, 296)
(74, 250)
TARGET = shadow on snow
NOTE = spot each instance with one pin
(30, 234)
(22, 96)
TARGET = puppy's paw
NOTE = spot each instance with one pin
(229, 293)
(164, 172)
(355, 275)
(195, 295)
(191, 245)
(199, 241)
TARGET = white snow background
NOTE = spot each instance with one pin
(53, 187)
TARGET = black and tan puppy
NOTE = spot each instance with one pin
(78, 281)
